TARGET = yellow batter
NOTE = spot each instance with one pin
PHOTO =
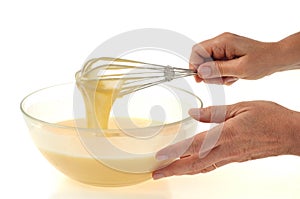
(98, 97)
(78, 164)
(71, 156)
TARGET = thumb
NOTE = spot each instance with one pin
(212, 114)
(217, 69)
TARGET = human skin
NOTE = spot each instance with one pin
(251, 130)
(229, 57)
(246, 130)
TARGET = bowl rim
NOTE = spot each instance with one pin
(57, 125)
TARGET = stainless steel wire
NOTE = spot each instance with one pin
(134, 75)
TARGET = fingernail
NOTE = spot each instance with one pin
(194, 112)
(157, 176)
(204, 71)
(162, 157)
(230, 80)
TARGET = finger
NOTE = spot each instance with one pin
(220, 80)
(188, 165)
(194, 68)
(182, 148)
(196, 59)
(230, 80)
(198, 56)
(198, 79)
(201, 144)
(213, 114)
(212, 167)
(224, 46)
(217, 80)
(217, 69)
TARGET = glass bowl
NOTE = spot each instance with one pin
(118, 156)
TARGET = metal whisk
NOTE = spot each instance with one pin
(135, 75)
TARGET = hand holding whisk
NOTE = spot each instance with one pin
(135, 75)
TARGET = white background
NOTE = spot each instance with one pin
(44, 42)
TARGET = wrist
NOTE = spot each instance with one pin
(288, 56)
(295, 134)
(276, 60)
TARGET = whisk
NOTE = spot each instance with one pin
(135, 75)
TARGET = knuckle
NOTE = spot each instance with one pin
(195, 47)
(206, 110)
(238, 105)
(225, 38)
(194, 148)
(224, 34)
(227, 35)
(218, 49)
(195, 145)
(218, 113)
(214, 113)
(219, 68)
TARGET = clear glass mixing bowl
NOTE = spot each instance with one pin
(112, 157)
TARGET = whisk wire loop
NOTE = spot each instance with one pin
(134, 75)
